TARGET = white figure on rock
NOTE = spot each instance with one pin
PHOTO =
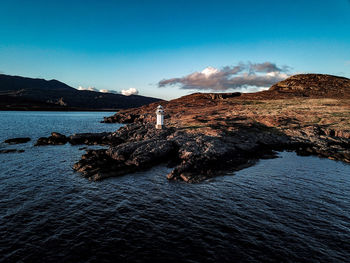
(160, 117)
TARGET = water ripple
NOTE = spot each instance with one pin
(290, 209)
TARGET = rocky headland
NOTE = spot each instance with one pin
(207, 133)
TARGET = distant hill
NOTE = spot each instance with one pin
(305, 85)
(314, 85)
(20, 93)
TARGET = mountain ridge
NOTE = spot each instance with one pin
(17, 92)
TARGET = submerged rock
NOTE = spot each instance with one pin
(11, 151)
(17, 140)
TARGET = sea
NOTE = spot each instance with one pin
(288, 209)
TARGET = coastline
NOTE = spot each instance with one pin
(198, 145)
(205, 133)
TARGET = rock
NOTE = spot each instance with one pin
(130, 118)
(194, 157)
(89, 138)
(76, 139)
(57, 135)
(55, 139)
(42, 141)
(17, 140)
(58, 138)
(197, 156)
(99, 164)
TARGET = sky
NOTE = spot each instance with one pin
(168, 49)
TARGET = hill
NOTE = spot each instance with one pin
(314, 85)
(308, 86)
(20, 93)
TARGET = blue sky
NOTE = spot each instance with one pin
(135, 44)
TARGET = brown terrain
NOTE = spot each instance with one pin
(211, 132)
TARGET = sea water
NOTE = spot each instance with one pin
(289, 209)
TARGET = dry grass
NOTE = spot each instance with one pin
(284, 113)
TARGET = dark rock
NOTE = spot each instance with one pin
(89, 138)
(130, 118)
(193, 156)
(17, 140)
(55, 139)
(76, 139)
(58, 138)
(57, 135)
(122, 159)
(196, 157)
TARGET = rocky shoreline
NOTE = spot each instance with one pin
(207, 134)
(193, 157)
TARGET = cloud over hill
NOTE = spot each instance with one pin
(131, 91)
(241, 76)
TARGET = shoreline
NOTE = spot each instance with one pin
(194, 157)
(206, 133)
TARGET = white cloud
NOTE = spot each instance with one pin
(96, 90)
(277, 74)
(244, 76)
(209, 71)
(88, 88)
(108, 91)
(131, 91)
